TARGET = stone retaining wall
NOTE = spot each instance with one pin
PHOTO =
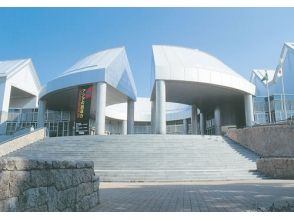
(22, 141)
(266, 141)
(282, 168)
(274, 143)
(34, 185)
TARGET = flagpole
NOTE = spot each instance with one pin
(284, 97)
(268, 100)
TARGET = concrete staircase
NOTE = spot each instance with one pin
(151, 157)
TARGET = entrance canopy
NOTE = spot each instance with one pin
(194, 77)
(109, 66)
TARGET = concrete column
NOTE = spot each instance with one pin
(5, 91)
(194, 119)
(100, 108)
(217, 121)
(185, 124)
(41, 113)
(153, 118)
(249, 115)
(160, 107)
(131, 112)
(124, 127)
(202, 123)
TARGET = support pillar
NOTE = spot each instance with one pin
(217, 121)
(202, 123)
(185, 124)
(194, 119)
(100, 108)
(130, 115)
(41, 113)
(249, 115)
(153, 118)
(124, 127)
(160, 107)
(5, 91)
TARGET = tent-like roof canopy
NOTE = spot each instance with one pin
(110, 66)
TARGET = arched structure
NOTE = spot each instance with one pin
(190, 76)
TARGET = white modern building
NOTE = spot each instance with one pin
(195, 78)
(193, 93)
(19, 90)
(274, 97)
(109, 74)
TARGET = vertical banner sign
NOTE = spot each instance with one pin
(83, 109)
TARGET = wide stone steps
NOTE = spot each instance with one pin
(151, 157)
(175, 175)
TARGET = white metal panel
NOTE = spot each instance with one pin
(216, 78)
(24, 80)
(204, 76)
(7, 66)
(98, 60)
(191, 74)
(118, 74)
(177, 72)
(163, 72)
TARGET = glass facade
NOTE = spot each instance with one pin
(57, 122)
(277, 111)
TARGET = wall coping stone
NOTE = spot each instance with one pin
(16, 163)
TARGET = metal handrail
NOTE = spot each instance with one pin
(17, 136)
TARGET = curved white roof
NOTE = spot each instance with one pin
(185, 64)
(110, 66)
(174, 111)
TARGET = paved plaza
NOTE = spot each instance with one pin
(208, 196)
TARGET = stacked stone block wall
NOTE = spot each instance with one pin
(273, 143)
(266, 141)
(34, 185)
(279, 168)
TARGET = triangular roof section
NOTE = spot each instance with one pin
(99, 60)
(114, 65)
(118, 73)
(288, 47)
(261, 75)
(9, 68)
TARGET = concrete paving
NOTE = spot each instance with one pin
(201, 196)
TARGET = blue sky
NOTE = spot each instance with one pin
(55, 38)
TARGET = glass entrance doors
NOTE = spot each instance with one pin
(57, 129)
